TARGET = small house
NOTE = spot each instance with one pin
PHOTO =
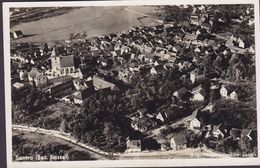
(23, 75)
(249, 134)
(40, 79)
(235, 133)
(133, 145)
(157, 69)
(181, 94)
(168, 114)
(229, 92)
(198, 93)
(216, 131)
(196, 76)
(100, 83)
(234, 95)
(17, 34)
(18, 85)
(178, 142)
(37, 78)
(60, 86)
(209, 108)
(143, 124)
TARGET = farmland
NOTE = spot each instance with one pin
(93, 20)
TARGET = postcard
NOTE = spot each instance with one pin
(131, 83)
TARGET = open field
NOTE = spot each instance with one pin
(44, 140)
(94, 20)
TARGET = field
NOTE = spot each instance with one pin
(93, 20)
(41, 140)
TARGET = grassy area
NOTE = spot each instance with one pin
(38, 142)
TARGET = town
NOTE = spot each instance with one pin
(177, 85)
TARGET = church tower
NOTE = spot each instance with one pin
(55, 62)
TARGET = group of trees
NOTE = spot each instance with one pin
(230, 66)
(233, 114)
(174, 13)
(28, 101)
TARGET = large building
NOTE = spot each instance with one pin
(62, 65)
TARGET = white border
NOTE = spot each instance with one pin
(120, 163)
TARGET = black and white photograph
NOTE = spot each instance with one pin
(119, 82)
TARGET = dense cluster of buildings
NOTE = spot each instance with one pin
(75, 69)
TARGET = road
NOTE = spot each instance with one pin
(97, 153)
(171, 154)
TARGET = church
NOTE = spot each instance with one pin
(62, 65)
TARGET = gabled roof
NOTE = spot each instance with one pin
(198, 90)
(229, 88)
(18, 32)
(133, 143)
(83, 94)
(33, 72)
(168, 113)
(102, 84)
(235, 132)
(251, 134)
(159, 68)
(67, 61)
(179, 140)
(40, 75)
(182, 91)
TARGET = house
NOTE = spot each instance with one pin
(133, 145)
(168, 114)
(235, 133)
(37, 78)
(104, 62)
(196, 76)
(194, 19)
(62, 65)
(234, 95)
(178, 142)
(181, 94)
(81, 95)
(32, 74)
(176, 49)
(209, 108)
(142, 112)
(79, 84)
(198, 93)
(249, 134)
(156, 69)
(18, 85)
(229, 92)
(223, 91)
(143, 124)
(23, 75)
(241, 42)
(17, 34)
(100, 83)
(85, 72)
(60, 86)
(67, 99)
(195, 125)
(40, 79)
(192, 122)
(216, 131)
